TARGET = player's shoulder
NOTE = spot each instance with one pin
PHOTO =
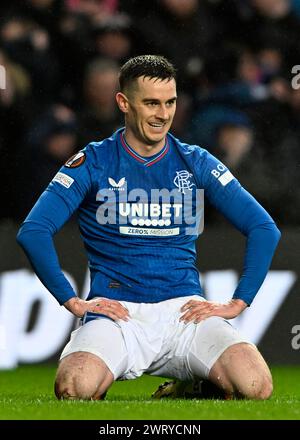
(204, 165)
(190, 151)
(97, 151)
(91, 159)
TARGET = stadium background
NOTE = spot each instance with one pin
(235, 61)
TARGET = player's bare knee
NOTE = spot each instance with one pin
(85, 388)
(242, 372)
(78, 387)
(64, 384)
(258, 387)
(63, 387)
(63, 391)
(261, 376)
(81, 376)
(265, 390)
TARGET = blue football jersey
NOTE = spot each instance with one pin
(139, 218)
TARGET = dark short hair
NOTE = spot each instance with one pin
(151, 66)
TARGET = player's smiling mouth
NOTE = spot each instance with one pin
(156, 124)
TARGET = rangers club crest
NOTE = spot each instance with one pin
(182, 181)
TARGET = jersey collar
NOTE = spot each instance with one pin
(146, 161)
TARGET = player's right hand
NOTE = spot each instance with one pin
(109, 307)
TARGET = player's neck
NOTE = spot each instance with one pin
(142, 148)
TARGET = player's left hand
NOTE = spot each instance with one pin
(196, 311)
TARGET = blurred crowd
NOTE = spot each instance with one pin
(235, 94)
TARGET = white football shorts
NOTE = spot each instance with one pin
(155, 342)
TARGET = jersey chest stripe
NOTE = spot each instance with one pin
(162, 154)
(141, 159)
(129, 150)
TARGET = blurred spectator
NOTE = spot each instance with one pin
(29, 45)
(272, 23)
(272, 8)
(182, 115)
(74, 50)
(14, 115)
(17, 81)
(180, 30)
(234, 61)
(233, 143)
(44, 13)
(248, 69)
(296, 7)
(279, 138)
(113, 38)
(93, 8)
(100, 115)
(50, 141)
(207, 129)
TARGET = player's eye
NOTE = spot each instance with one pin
(170, 103)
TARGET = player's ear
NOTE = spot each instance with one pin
(122, 102)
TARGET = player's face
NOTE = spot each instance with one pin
(150, 112)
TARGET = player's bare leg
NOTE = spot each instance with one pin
(82, 375)
(242, 372)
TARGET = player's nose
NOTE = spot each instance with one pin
(162, 113)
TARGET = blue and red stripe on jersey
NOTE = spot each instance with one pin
(144, 160)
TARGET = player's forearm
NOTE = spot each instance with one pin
(38, 245)
(261, 244)
(250, 218)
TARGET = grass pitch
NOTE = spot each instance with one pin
(27, 393)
